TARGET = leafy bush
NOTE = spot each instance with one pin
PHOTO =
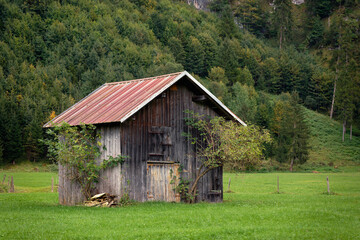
(77, 148)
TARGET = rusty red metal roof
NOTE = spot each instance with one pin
(117, 101)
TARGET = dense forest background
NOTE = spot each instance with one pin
(264, 59)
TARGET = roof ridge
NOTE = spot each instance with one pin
(143, 79)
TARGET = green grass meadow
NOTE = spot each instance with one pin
(253, 210)
(326, 145)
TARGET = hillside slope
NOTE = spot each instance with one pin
(326, 143)
(53, 53)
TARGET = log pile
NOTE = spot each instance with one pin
(102, 200)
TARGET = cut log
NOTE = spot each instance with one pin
(102, 200)
(100, 195)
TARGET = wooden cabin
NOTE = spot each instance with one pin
(144, 119)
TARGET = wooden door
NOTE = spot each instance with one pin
(162, 178)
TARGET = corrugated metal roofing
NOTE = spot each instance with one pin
(116, 102)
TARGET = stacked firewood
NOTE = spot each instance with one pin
(102, 200)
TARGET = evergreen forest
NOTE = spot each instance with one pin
(269, 61)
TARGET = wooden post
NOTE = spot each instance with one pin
(12, 189)
(52, 184)
(328, 185)
(3, 181)
(278, 184)
(229, 185)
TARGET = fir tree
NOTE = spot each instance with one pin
(282, 19)
(291, 131)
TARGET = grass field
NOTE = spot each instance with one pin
(254, 210)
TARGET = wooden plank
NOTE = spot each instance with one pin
(109, 172)
(160, 162)
(138, 160)
(143, 156)
(60, 185)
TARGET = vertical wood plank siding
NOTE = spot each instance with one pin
(111, 180)
(69, 191)
(155, 133)
(161, 182)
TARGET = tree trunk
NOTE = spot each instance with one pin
(344, 130)
(291, 164)
(193, 188)
(334, 92)
(280, 40)
(350, 131)
(333, 98)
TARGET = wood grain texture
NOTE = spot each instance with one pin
(154, 134)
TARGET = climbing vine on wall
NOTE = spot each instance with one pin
(78, 148)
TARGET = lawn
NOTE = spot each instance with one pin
(254, 210)
(31, 181)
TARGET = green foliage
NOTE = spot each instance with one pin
(125, 199)
(315, 36)
(282, 19)
(195, 56)
(219, 142)
(253, 16)
(114, 161)
(290, 130)
(217, 74)
(54, 53)
(245, 76)
(345, 61)
(243, 101)
(78, 149)
(183, 189)
(321, 8)
(1, 152)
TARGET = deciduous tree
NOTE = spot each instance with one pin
(220, 142)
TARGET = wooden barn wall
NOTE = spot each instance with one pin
(69, 191)
(110, 181)
(140, 141)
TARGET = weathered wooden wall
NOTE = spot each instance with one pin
(69, 191)
(111, 180)
(155, 134)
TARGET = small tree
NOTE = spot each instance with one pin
(78, 149)
(220, 142)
